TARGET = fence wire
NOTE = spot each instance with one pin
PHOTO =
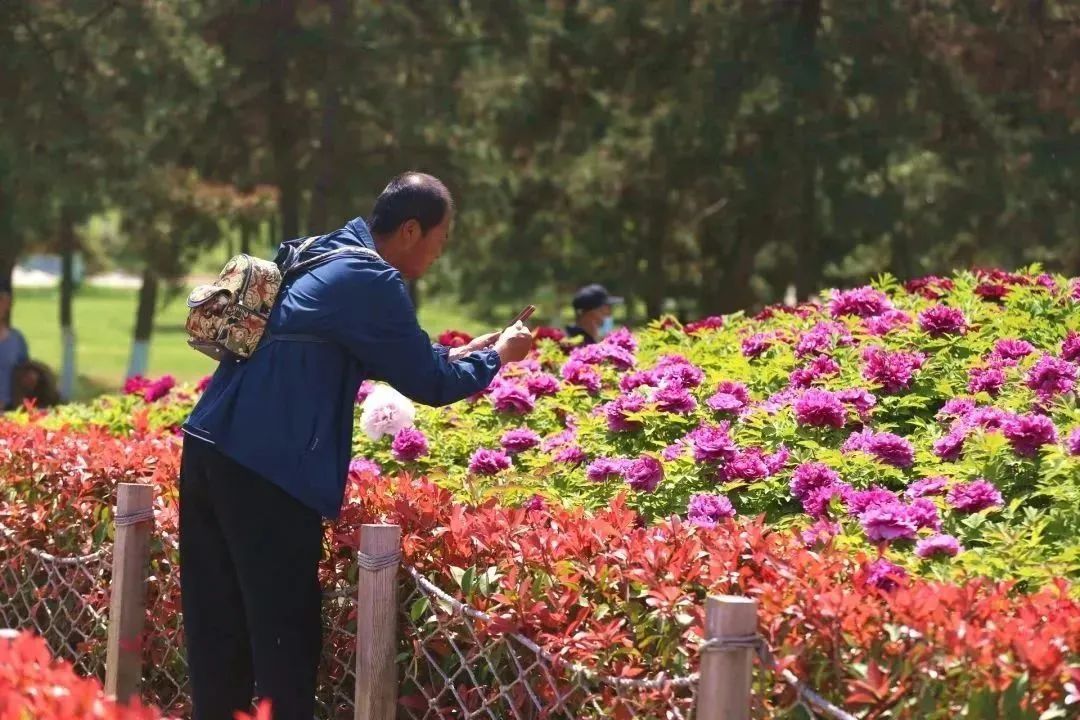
(453, 663)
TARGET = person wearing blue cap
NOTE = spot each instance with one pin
(592, 314)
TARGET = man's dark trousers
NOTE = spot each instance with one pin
(249, 556)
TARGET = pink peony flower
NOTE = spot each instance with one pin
(885, 446)
(1072, 442)
(816, 502)
(957, 407)
(644, 474)
(887, 522)
(712, 322)
(603, 469)
(941, 320)
(951, 446)
(535, 504)
(859, 501)
(1070, 348)
(729, 397)
(1052, 376)
(974, 496)
(621, 338)
(364, 466)
(674, 399)
(885, 575)
(541, 384)
(930, 287)
(820, 408)
(938, 546)
(925, 514)
(159, 388)
(642, 378)
(746, 465)
(892, 370)
(861, 302)
(926, 486)
(519, 440)
(509, 397)
(712, 444)
(888, 322)
(618, 409)
(205, 383)
(570, 455)
(778, 460)
(1012, 349)
(821, 366)
(558, 440)
(1028, 433)
(135, 384)
(757, 344)
(986, 379)
(990, 419)
(709, 510)
(409, 444)
(819, 533)
(862, 400)
(578, 373)
(822, 338)
(488, 462)
(811, 476)
(676, 370)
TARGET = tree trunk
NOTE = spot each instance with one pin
(67, 293)
(326, 169)
(144, 324)
(245, 238)
(806, 85)
(9, 243)
(281, 121)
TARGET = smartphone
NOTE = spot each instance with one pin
(523, 315)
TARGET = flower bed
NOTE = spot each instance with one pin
(616, 594)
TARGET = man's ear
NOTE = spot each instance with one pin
(411, 232)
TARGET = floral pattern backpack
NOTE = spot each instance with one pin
(228, 318)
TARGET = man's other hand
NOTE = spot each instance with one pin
(480, 343)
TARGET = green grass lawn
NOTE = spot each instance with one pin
(105, 318)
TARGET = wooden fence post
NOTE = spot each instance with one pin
(127, 602)
(376, 622)
(726, 673)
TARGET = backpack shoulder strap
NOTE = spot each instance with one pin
(330, 255)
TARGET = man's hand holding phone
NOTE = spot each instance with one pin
(513, 344)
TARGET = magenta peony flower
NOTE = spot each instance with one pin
(578, 373)
(859, 501)
(159, 388)
(938, 546)
(364, 466)
(778, 460)
(674, 399)
(643, 378)
(810, 476)
(1070, 348)
(363, 391)
(957, 407)
(986, 379)
(889, 321)
(709, 510)
(925, 514)
(1052, 376)
(941, 320)
(892, 370)
(678, 371)
(488, 462)
(887, 522)
(519, 440)
(1072, 443)
(885, 446)
(974, 496)
(757, 344)
(1028, 433)
(747, 465)
(644, 474)
(409, 444)
(819, 533)
(861, 302)
(729, 397)
(541, 384)
(535, 504)
(820, 408)
(821, 366)
(621, 338)
(604, 469)
(926, 486)
(570, 455)
(135, 384)
(205, 383)
(509, 397)
(862, 400)
(617, 410)
(990, 419)
(822, 338)
(817, 501)
(712, 444)
(1011, 349)
(885, 575)
(674, 451)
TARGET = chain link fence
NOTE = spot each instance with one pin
(453, 660)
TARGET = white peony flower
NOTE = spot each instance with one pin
(385, 411)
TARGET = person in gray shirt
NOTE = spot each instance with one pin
(13, 349)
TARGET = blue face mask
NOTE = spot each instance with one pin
(606, 326)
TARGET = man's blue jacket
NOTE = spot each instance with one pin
(287, 412)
